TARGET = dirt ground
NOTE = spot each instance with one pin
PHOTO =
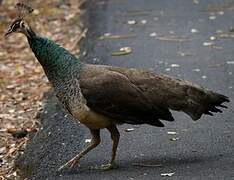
(22, 81)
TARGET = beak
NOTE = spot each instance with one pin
(7, 34)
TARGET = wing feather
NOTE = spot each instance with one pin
(136, 97)
(111, 93)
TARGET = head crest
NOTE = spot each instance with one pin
(23, 9)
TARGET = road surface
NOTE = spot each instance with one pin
(188, 39)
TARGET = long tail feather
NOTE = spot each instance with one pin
(212, 103)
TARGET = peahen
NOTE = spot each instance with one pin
(102, 96)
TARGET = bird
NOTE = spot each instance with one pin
(103, 97)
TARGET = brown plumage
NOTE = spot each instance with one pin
(117, 95)
(104, 96)
(136, 97)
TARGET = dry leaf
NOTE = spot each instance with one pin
(175, 65)
(88, 140)
(147, 165)
(174, 139)
(172, 38)
(131, 22)
(129, 129)
(122, 51)
(124, 36)
(172, 133)
(21, 77)
(208, 43)
(230, 62)
(167, 174)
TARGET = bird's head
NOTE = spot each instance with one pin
(19, 26)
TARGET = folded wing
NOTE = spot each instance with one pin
(137, 97)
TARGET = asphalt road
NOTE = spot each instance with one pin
(186, 39)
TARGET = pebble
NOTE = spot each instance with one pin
(194, 31)
(172, 133)
(230, 62)
(195, 1)
(143, 21)
(87, 140)
(175, 65)
(172, 32)
(129, 129)
(196, 70)
(36, 12)
(167, 174)
(107, 34)
(126, 49)
(131, 22)
(153, 34)
(212, 38)
(212, 17)
(221, 13)
(208, 43)
(174, 139)
(219, 31)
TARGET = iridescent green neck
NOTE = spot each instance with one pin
(58, 63)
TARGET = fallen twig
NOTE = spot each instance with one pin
(172, 39)
(220, 7)
(125, 36)
(226, 35)
(122, 51)
(216, 65)
(147, 165)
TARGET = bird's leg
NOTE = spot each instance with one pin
(115, 139)
(94, 143)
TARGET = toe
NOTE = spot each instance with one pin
(69, 165)
(109, 166)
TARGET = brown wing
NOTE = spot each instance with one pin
(110, 92)
(136, 97)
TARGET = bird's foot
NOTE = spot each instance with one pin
(70, 164)
(109, 166)
(106, 167)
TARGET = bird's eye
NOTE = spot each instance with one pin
(22, 25)
(15, 26)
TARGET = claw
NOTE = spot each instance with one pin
(106, 167)
(70, 164)
(109, 166)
